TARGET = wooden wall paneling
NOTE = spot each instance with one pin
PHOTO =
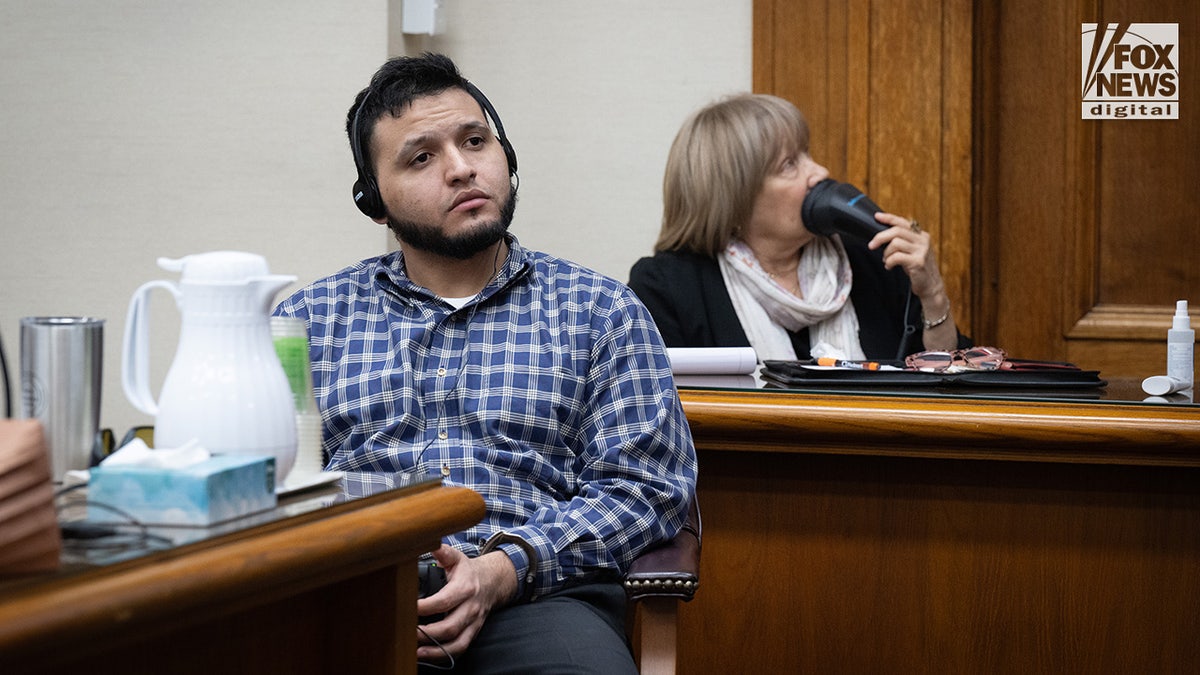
(1059, 238)
(804, 61)
(1030, 226)
(1138, 249)
(762, 45)
(955, 234)
(1080, 292)
(1034, 190)
(905, 106)
(985, 126)
(886, 89)
(859, 80)
(1086, 228)
(920, 106)
(1149, 239)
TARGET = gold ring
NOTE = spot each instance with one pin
(916, 227)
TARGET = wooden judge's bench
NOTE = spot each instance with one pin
(928, 533)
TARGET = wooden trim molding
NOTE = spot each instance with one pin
(1081, 194)
(952, 428)
(1127, 322)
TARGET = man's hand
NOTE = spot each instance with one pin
(474, 587)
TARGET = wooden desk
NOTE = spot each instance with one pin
(332, 591)
(866, 534)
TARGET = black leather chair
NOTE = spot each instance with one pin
(659, 579)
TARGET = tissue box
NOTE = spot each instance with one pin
(220, 488)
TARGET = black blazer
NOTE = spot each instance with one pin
(686, 295)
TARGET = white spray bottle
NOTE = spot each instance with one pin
(1181, 340)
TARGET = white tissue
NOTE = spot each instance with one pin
(137, 453)
(823, 350)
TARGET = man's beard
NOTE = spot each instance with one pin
(461, 246)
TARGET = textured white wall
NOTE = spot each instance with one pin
(591, 94)
(132, 129)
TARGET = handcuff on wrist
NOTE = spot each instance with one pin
(493, 544)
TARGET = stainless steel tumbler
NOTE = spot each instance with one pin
(61, 359)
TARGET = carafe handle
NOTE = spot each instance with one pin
(135, 371)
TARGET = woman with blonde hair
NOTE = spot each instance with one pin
(734, 264)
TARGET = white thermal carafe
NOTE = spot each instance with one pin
(225, 387)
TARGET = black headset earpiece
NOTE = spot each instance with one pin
(366, 190)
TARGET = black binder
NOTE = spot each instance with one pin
(1022, 374)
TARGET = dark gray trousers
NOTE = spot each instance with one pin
(577, 630)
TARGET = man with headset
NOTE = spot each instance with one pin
(542, 385)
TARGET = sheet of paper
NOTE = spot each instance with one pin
(712, 360)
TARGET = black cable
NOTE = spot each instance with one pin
(909, 327)
(106, 535)
(8, 413)
(428, 664)
(69, 488)
(419, 460)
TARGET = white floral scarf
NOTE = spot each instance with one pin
(768, 312)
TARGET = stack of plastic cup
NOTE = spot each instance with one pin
(291, 344)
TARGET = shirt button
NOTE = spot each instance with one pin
(445, 471)
(441, 372)
(443, 435)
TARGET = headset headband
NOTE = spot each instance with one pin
(366, 190)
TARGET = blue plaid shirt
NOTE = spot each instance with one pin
(549, 393)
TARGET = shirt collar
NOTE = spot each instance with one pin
(389, 271)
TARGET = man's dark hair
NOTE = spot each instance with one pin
(394, 87)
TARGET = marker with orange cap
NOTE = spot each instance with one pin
(839, 363)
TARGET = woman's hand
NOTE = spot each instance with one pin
(474, 587)
(907, 247)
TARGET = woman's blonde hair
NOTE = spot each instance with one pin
(717, 165)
